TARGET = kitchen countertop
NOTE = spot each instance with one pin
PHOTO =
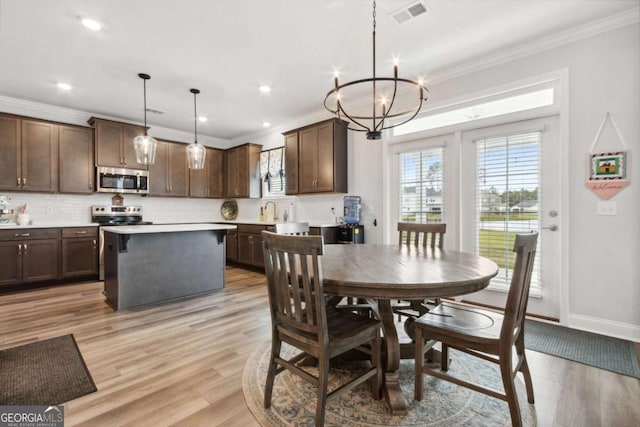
(60, 224)
(165, 228)
(268, 223)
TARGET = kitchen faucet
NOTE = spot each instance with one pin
(275, 210)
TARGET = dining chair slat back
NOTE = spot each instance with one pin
(297, 228)
(300, 318)
(483, 333)
(412, 234)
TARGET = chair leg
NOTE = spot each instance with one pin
(276, 344)
(444, 357)
(510, 391)
(419, 362)
(524, 368)
(323, 381)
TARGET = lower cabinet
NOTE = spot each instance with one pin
(29, 255)
(250, 244)
(79, 251)
(232, 246)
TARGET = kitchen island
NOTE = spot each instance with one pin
(149, 264)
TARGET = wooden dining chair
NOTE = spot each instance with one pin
(419, 235)
(300, 318)
(485, 334)
(296, 228)
(412, 234)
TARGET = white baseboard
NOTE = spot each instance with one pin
(605, 327)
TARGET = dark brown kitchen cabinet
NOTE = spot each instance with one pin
(208, 182)
(168, 176)
(76, 159)
(291, 163)
(28, 155)
(321, 158)
(79, 251)
(29, 255)
(232, 246)
(114, 143)
(250, 244)
(242, 171)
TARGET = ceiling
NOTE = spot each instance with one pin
(228, 48)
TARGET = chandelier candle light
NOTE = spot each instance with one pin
(145, 145)
(334, 101)
(195, 152)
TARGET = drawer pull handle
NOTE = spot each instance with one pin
(21, 235)
(81, 232)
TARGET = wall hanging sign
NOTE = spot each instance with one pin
(607, 173)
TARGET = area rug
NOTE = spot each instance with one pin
(443, 404)
(612, 354)
(49, 372)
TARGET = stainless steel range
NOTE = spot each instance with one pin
(114, 215)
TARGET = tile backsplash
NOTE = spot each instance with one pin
(72, 209)
(75, 209)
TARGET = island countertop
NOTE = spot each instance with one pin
(166, 228)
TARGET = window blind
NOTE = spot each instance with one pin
(421, 186)
(507, 202)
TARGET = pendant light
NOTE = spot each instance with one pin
(145, 145)
(196, 152)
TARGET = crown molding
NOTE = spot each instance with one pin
(38, 110)
(628, 17)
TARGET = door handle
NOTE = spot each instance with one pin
(25, 248)
(19, 249)
(552, 227)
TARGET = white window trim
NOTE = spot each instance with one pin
(560, 79)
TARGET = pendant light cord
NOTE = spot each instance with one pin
(374, 65)
(195, 113)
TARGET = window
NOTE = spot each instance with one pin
(507, 201)
(421, 186)
(511, 104)
(272, 172)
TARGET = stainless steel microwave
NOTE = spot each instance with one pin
(117, 180)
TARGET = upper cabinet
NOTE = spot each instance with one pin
(28, 155)
(169, 175)
(316, 158)
(76, 159)
(114, 143)
(242, 171)
(208, 182)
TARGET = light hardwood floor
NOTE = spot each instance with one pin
(181, 363)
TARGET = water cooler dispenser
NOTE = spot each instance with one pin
(351, 231)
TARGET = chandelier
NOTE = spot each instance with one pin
(145, 145)
(375, 122)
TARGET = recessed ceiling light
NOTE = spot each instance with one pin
(265, 89)
(64, 86)
(266, 124)
(202, 119)
(91, 24)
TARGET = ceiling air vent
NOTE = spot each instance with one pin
(409, 12)
(154, 111)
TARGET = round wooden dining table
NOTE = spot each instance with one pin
(381, 273)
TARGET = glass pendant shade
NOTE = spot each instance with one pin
(196, 154)
(145, 147)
